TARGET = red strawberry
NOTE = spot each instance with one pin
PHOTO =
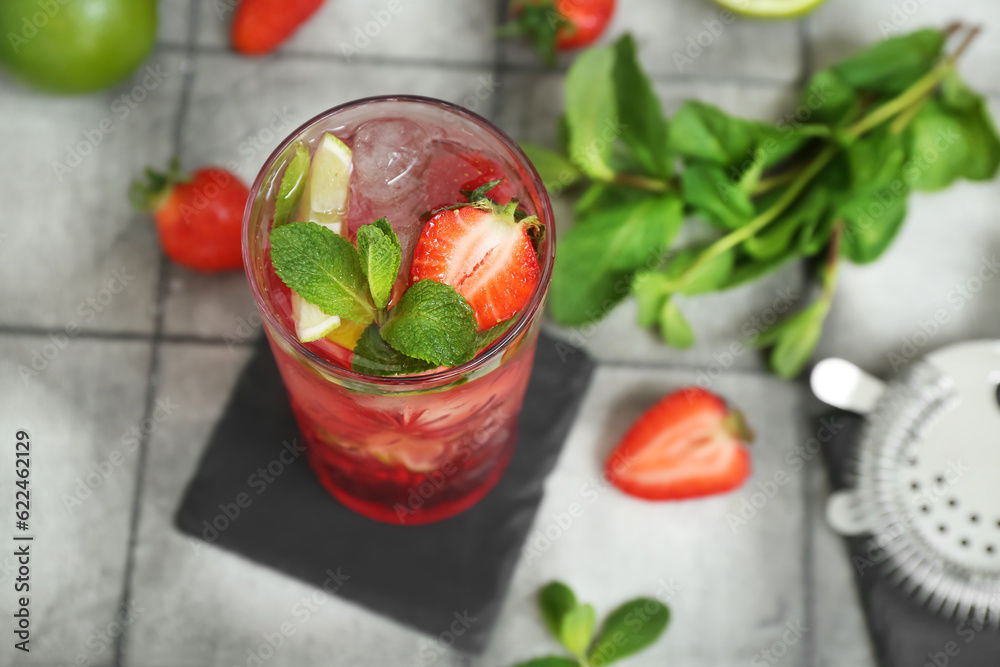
(687, 445)
(485, 254)
(448, 177)
(562, 25)
(260, 26)
(199, 218)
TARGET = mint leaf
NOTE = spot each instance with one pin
(617, 234)
(779, 236)
(323, 268)
(488, 337)
(630, 628)
(892, 65)
(709, 190)
(651, 289)
(373, 356)
(577, 629)
(432, 322)
(674, 327)
(556, 600)
(702, 131)
(592, 112)
(557, 171)
(644, 128)
(748, 270)
(380, 255)
(708, 277)
(795, 339)
(830, 99)
(293, 184)
(871, 222)
(550, 661)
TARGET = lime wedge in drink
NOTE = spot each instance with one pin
(325, 203)
(325, 198)
(311, 323)
(771, 9)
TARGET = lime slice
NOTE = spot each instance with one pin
(311, 323)
(325, 198)
(771, 9)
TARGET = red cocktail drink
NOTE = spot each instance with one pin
(417, 447)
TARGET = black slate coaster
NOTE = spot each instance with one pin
(435, 577)
(904, 633)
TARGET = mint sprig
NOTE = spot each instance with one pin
(431, 325)
(835, 183)
(632, 627)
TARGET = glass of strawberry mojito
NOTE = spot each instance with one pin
(399, 250)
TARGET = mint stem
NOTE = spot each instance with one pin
(734, 238)
(642, 182)
(915, 93)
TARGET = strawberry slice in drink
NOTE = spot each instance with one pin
(485, 254)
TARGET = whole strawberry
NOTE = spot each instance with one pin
(261, 26)
(199, 218)
(559, 25)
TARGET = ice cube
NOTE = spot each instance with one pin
(390, 155)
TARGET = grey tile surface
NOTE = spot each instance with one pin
(79, 411)
(688, 38)
(840, 28)
(455, 31)
(732, 586)
(204, 606)
(73, 250)
(174, 19)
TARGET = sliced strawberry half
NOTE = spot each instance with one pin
(485, 254)
(687, 445)
(448, 177)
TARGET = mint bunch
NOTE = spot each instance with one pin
(632, 627)
(833, 183)
(431, 325)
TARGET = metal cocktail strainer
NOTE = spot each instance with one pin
(926, 477)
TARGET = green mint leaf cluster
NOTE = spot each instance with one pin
(632, 627)
(892, 119)
(431, 324)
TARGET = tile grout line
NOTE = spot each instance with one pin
(153, 377)
(126, 336)
(508, 67)
(810, 646)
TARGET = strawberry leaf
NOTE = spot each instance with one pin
(630, 628)
(380, 255)
(432, 322)
(293, 184)
(323, 268)
(373, 356)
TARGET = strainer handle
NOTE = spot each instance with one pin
(843, 385)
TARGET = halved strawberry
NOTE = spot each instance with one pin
(448, 177)
(485, 254)
(687, 445)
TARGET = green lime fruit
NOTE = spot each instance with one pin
(75, 46)
(771, 9)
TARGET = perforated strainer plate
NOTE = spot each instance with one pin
(927, 474)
